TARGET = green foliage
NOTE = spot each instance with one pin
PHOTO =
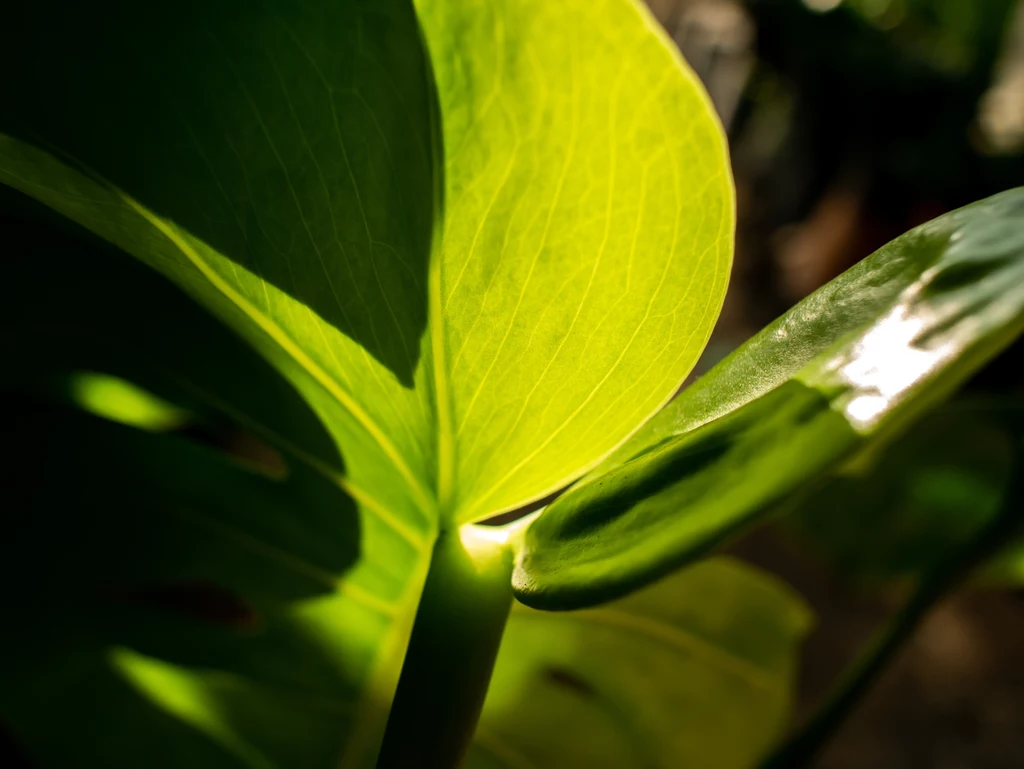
(695, 670)
(842, 370)
(472, 274)
(586, 243)
(306, 289)
(179, 597)
(574, 194)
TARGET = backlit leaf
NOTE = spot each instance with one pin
(587, 238)
(468, 266)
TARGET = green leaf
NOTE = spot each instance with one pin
(256, 205)
(849, 366)
(275, 161)
(694, 671)
(905, 507)
(282, 164)
(586, 244)
(100, 311)
(469, 276)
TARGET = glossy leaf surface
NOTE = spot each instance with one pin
(694, 671)
(852, 364)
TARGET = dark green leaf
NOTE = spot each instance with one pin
(85, 307)
(274, 159)
(170, 565)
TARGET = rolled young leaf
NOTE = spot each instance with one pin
(849, 366)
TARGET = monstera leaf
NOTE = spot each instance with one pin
(452, 255)
(848, 367)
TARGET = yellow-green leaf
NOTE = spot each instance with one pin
(587, 238)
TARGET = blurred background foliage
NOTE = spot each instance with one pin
(850, 122)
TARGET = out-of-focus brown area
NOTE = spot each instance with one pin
(850, 122)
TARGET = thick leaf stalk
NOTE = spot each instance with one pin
(455, 639)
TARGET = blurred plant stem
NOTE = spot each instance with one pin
(445, 675)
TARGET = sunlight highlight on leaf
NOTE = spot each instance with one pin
(885, 363)
(121, 401)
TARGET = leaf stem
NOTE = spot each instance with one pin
(455, 639)
(937, 582)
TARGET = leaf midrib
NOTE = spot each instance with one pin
(442, 397)
(445, 444)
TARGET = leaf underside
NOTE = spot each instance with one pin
(448, 269)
